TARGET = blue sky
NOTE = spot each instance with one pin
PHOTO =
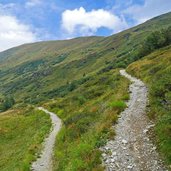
(25, 21)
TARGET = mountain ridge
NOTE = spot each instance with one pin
(46, 60)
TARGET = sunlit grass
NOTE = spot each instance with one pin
(155, 70)
(88, 121)
(117, 105)
(21, 135)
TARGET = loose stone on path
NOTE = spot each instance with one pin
(131, 148)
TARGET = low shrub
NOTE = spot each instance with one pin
(125, 97)
(118, 105)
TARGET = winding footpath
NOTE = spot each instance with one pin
(132, 149)
(44, 163)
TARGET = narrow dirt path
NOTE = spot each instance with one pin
(44, 163)
(132, 149)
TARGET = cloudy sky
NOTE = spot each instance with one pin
(25, 21)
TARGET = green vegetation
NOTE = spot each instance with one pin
(6, 103)
(117, 105)
(79, 80)
(87, 121)
(155, 40)
(35, 73)
(21, 133)
(155, 70)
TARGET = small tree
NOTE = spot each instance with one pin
(155, 40)
(7, 103)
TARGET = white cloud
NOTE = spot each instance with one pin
(14, 33)
(32, 3)
(86, 23)
(149, 9)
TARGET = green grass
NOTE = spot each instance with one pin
(117, 105)
(125, 97)
(79, 80)
(155, 71)
(21, 135)
(87, 119)
(30, 72)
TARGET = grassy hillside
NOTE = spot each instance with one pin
(30, 72)
(21, 135)
(155, 71)
(79, 80)
(88, 114)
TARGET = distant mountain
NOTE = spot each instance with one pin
(32, 70)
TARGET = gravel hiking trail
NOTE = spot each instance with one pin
(131, 148)
(44, 163)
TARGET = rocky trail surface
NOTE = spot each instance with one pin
(132, 149)
(44, 163)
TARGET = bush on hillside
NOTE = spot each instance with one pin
(118, 105)
(6, 103)
(155, 40)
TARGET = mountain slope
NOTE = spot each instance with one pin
(155, 70)
(79, 80)
(19, 142)
(30, 72)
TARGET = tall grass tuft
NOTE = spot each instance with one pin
(118, 105)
